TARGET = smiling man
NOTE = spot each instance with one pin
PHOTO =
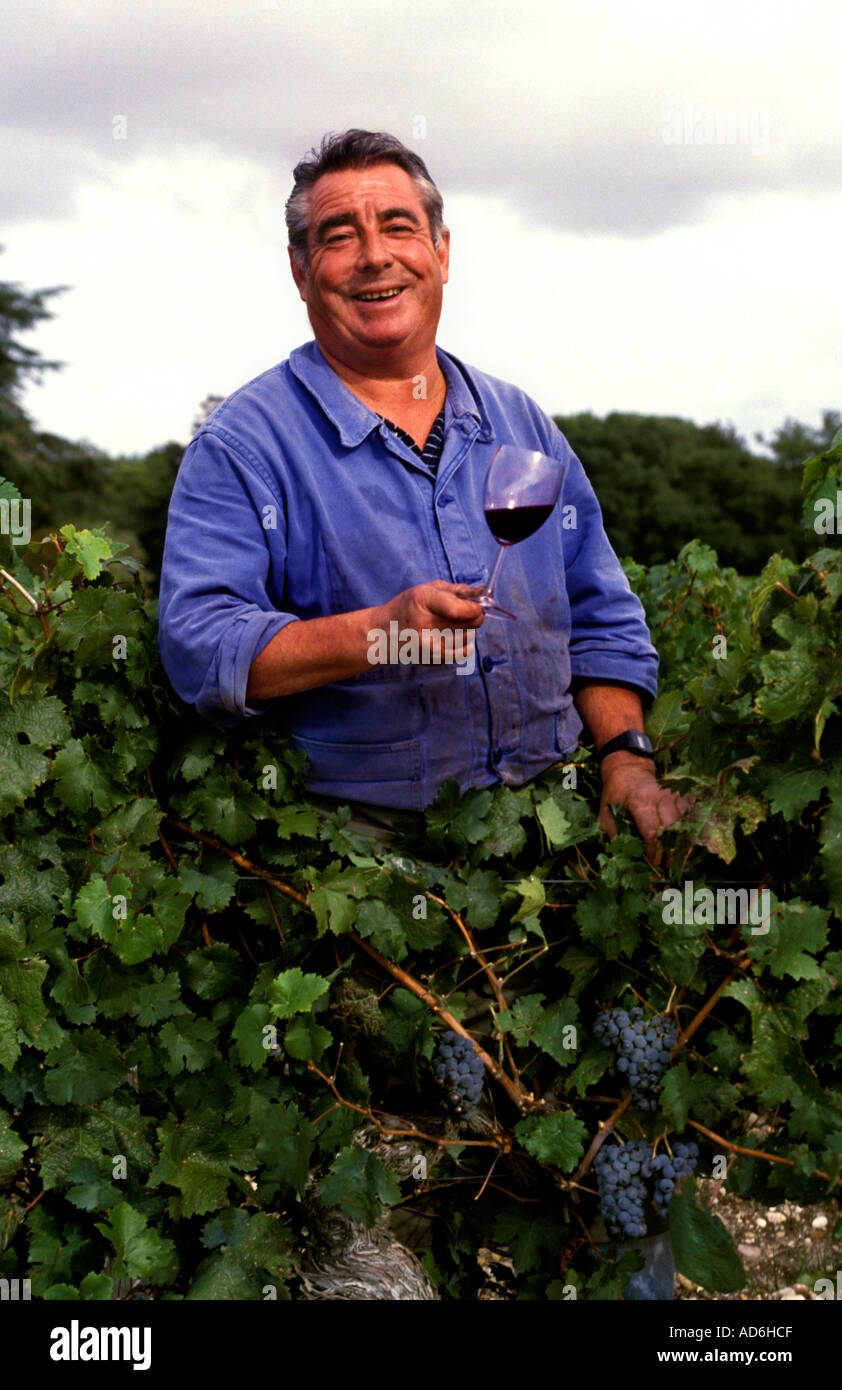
(342, 491)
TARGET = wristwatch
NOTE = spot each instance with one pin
(632, 741)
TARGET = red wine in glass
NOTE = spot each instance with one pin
(521, 490)
(513, 524)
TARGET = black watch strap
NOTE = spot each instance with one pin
(632, 741)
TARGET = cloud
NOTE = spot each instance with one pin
(563, 111)
(605, 253)
(40, 173)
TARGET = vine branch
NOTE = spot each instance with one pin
(523, 1100)
(686, 1033)
(37, 607)
(240, 859)
(668, 619)
(503, 1144)
(600, 1138)
(477, 955)
(757, 1153)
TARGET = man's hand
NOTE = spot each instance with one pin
(630, 782)
(316, 651)
(627, 780)
(434, 606)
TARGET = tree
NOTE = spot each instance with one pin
(141, 490)
(207, 408)
(20, 310)
(57, 476)
(662, 481)
(66, 480)
(793, 442)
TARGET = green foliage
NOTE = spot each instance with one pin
(701, 1245)
(662, 482)
(206, 989)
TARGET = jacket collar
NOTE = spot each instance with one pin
(354, 420)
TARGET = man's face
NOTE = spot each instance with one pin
(369, 235)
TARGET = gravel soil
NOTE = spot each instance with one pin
(784, 1249)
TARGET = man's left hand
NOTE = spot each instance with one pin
(630, 782)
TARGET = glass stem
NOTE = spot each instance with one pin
(488, 592)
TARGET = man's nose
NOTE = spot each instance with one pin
(374, 250)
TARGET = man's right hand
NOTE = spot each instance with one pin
(317, 651)
(436, 605)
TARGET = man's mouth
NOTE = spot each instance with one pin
(377, 296)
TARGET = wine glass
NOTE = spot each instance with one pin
(521, 489)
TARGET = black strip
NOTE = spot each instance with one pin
(431, 453)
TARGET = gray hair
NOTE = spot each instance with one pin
(356, 149)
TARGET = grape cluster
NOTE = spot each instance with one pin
(622, 1175)
(666, 1170)
(643, 1048)
(459, 1070)
(621, 1178)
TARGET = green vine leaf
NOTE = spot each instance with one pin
(293, 992)
(555, 1139)
(360, 1185)
(141, 1252)
(703, 1249)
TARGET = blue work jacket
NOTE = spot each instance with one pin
(295, 501)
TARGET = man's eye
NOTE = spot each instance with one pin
(336, 236)
(400, 227)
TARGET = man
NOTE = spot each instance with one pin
(342, 491)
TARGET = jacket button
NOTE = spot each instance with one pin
(487, 663)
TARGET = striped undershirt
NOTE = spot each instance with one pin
(431, 453)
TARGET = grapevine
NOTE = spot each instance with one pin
(246, 999)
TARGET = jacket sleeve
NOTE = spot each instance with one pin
(609, 638)
(224, 549)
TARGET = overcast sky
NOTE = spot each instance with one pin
(645, 200)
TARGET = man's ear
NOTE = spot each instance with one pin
(299, 273)
(443, 253)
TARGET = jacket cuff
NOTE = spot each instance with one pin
(223, 698)
(641, 675)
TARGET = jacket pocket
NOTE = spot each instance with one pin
(568, 727)
(386, 774)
